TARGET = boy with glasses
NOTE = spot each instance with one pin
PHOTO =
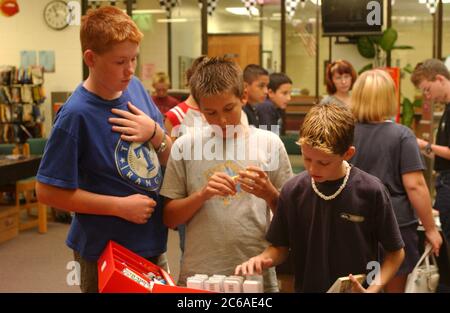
(433, 79)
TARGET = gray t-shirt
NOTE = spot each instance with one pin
(225, 231)
(332, 99)
(387, 151)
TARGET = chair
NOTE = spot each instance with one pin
(6, 148)
(25, 198)
(293, 150)
(37, 145)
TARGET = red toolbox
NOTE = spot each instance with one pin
(122, 271)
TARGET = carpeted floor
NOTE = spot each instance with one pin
(33, 262)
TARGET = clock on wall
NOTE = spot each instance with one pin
(57, 14)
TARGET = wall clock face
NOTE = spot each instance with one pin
(56, 14)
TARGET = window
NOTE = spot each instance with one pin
(411, 17)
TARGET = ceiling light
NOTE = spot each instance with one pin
(243, 11)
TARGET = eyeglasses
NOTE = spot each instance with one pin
(426, 89)
(343, 77)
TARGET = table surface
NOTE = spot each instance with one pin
(14, 168)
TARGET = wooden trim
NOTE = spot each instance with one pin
(84, 7)
(440, 11)
(283, 36)
(389, 24)
(130, 7)
(317, 49)
(434, 36)
(261, 35)
(330, 49)
(204, 22)
(169, 48)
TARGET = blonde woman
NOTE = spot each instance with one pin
(390, 152)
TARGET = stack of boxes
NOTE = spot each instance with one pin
(227, 284)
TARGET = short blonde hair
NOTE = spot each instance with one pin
(216, 76)
(373, 97)
(329, 128)
(161, 78)
(104, 27)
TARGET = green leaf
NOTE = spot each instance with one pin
(408, 68)
(375, 39)
(365, 68)
(407, 112)
(406, 103)
(366, 47)
(417, 103)
(388, 39)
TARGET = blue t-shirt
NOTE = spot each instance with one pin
(83, 152)
(270, 116)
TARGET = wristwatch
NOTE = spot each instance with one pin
(428, 149)
(162, 146)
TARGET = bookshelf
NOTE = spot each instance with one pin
(21, 96)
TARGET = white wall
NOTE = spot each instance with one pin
(27, 31)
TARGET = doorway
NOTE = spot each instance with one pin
(243, 49)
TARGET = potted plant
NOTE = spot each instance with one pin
(377, 47)
(408, 105)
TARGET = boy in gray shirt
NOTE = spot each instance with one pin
(223, 180)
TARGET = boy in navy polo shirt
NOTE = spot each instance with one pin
(332, 216)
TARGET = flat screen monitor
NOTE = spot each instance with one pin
(352, 17)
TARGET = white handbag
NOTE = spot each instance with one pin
(425, 276)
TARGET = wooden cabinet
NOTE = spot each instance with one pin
(9, 226)
(296, 111)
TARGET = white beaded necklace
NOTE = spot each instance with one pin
(313, 183)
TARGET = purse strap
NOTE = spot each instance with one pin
(425, 257)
